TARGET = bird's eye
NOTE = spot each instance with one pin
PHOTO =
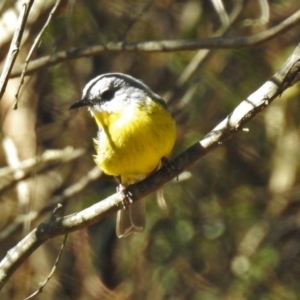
(107, 95)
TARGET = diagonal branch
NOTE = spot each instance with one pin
(33, 47)
(162, 46)
(62, 198)
(48, 160)
(14, 47)
(243, 113)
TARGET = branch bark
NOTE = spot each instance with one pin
(14, 47)
(161, 46)
(32, 48)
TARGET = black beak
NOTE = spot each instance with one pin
(81, 103)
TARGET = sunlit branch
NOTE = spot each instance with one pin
(14, 47)
(32, 48)
(9, 176)
(162, 46)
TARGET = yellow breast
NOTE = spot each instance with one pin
(132, 140)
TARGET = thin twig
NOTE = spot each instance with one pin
(48, 160)
(162, 46)
(140, 14)
(221, 12)
(43, 284)
(264, 15)
(34, 45)
(66, 195)
(199, 59)
(14, 46)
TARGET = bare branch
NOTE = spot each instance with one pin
(43, 284)
(199, 58)
(162, 46)
(67, 194)
(221, 11)
(14, 47)
(243, 113)
(34, 45)
(49, 159)
(265, 12)
(264, 15)
(140, 14)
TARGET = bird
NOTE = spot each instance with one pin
(136, 133)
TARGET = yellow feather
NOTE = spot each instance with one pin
(133, 139)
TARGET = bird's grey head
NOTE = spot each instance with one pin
(119, 87)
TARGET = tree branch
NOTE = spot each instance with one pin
(48, 160)
(243, 113)
(161, 46)
(62, 198)
(32, 48)
(14, 47)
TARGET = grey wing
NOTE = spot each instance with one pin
(132, 219)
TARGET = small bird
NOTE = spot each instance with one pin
(136, 131)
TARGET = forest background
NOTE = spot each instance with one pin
(230, 228)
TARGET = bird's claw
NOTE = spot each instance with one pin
(126, 197)
(169, 164)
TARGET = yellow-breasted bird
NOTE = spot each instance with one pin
(136, 132)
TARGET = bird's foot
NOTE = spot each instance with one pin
(168, 163)
(126, 196)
